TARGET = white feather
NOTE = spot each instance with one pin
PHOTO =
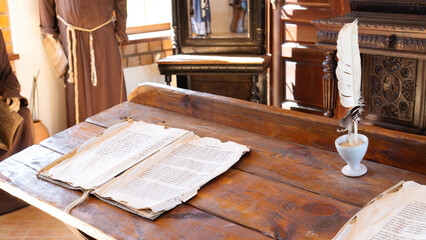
(348, 73)
(348, 69)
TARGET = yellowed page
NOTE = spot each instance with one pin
(120, 147)
(396, 215)
(173, 175)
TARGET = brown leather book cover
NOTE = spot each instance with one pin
(9, 122)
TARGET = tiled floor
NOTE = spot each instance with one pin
(30, 223)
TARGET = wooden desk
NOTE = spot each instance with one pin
(183, 64)
(287, 187)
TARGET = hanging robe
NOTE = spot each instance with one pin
(88, 14)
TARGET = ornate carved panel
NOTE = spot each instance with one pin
(390, 6)
(379, 42)
(392, 85)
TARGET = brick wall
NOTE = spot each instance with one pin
(5, 28)
(145, 51)
(5, 25)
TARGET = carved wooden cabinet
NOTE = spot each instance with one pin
(392, 40)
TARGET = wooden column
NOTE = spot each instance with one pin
(276, 83)
(329, 83)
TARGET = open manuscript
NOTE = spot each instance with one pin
(397, 214)
(144, 168)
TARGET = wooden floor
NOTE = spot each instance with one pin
(30, 223)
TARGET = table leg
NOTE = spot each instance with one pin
(168, 79)
(254, 92)
(329, 83)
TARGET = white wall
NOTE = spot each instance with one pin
(26, 38)
(140, 74)
(135, 76)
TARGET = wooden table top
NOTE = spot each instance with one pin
(281, 189)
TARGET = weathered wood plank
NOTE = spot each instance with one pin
(69, 139)
(35, 157)
(276, 209)
(102, 220)
(298, 165)
(398, 149)
(117, 114)
(261, 208)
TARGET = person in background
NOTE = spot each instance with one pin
(24, 137)
(239, 10)
(90, 36)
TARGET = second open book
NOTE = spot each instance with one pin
(144, 168)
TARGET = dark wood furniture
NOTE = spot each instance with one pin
(297, 63)
(289, 185)
(252, 43)
(219, 57)
(250, 65)
(392, 39)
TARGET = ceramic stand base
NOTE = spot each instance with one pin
(347, 171)
(352, 155)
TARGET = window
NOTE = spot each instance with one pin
(148, 15)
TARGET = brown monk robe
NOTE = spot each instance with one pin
(24, 136)
(98, 74)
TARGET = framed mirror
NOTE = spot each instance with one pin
(219, 26)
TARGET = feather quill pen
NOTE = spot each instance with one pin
(348, 73)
